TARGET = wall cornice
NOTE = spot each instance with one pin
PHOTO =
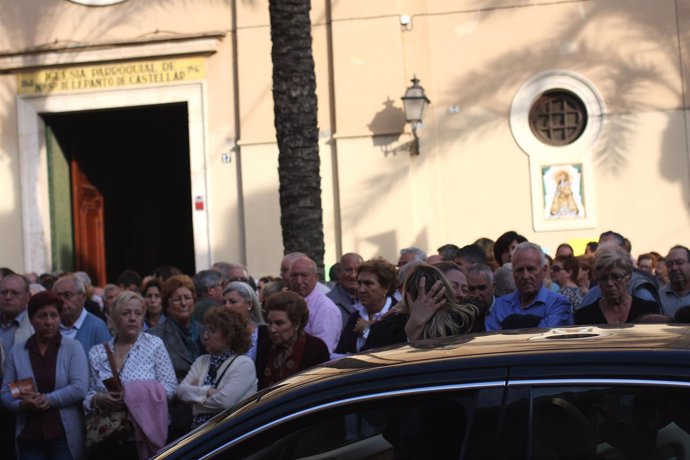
(72, 54)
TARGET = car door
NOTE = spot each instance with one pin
(597, 418)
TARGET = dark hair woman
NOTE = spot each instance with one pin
(49, 412)
(224, 376)
(504, 245)
(377, 282)
(290, 350)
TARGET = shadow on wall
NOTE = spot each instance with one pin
(387, 126)
(629, 79)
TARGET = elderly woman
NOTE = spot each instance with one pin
(151, 291)
(377, 282)
(241, 298)
(612, 270)
(290, 350)
(181, 334)
(145, 372)
(565, 271)
(225, 376)
(52, 372)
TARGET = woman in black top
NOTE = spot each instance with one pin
(612, 270)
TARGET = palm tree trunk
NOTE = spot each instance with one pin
(294, 96)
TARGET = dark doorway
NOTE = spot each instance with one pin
(138, 159)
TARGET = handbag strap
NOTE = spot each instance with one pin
(220, 377)
(113, 366)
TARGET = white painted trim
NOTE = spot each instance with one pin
(33, 169)
(543, 155)
(111, 52)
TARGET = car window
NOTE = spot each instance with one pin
(437, 425)
(610, 422)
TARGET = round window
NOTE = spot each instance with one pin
(558, 117)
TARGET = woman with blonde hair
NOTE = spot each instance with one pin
(143, 368)
(428, 309)
(434, 312)
(613, 270)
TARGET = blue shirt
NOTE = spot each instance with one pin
(547, 309)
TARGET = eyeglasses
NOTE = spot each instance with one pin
(616, 277)
(556, 268)
(68, 295)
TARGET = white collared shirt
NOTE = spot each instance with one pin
(361, 339)
(71, 331)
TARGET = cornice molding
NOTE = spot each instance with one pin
(201, 44)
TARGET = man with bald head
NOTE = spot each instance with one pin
(344, 293)
(288, 259)
(325, 321)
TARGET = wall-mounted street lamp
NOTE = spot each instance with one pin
(414, 104)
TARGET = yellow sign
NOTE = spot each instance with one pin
(107, 76)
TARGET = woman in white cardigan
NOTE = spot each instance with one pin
(224, 376)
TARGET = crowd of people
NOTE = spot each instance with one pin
(171, 351)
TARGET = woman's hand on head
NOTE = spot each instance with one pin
(423, 308)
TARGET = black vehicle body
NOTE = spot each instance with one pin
(532, 394)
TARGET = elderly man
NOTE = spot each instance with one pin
(344, 293)
(75, 321)
(231, 272)
(532, 305)
(676, 294)
(480, 284)
(325, 320)
(285, 264)
(209, 291)
(15, 329)
(412, 254)
(14, 320)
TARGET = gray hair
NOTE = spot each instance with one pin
(405, 270)
(206, 279)
(481, 268)
(503, 280)
(529, 246)
(77, 283)
(226, 267)
(611, 255)
(247, 294)
(85, 278)
(418, 253)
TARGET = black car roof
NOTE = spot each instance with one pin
(574, 345)
(628, 351)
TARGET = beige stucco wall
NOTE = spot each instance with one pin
(472, 179)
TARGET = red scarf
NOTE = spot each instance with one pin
(280, 367)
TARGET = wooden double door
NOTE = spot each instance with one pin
(120, 191)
